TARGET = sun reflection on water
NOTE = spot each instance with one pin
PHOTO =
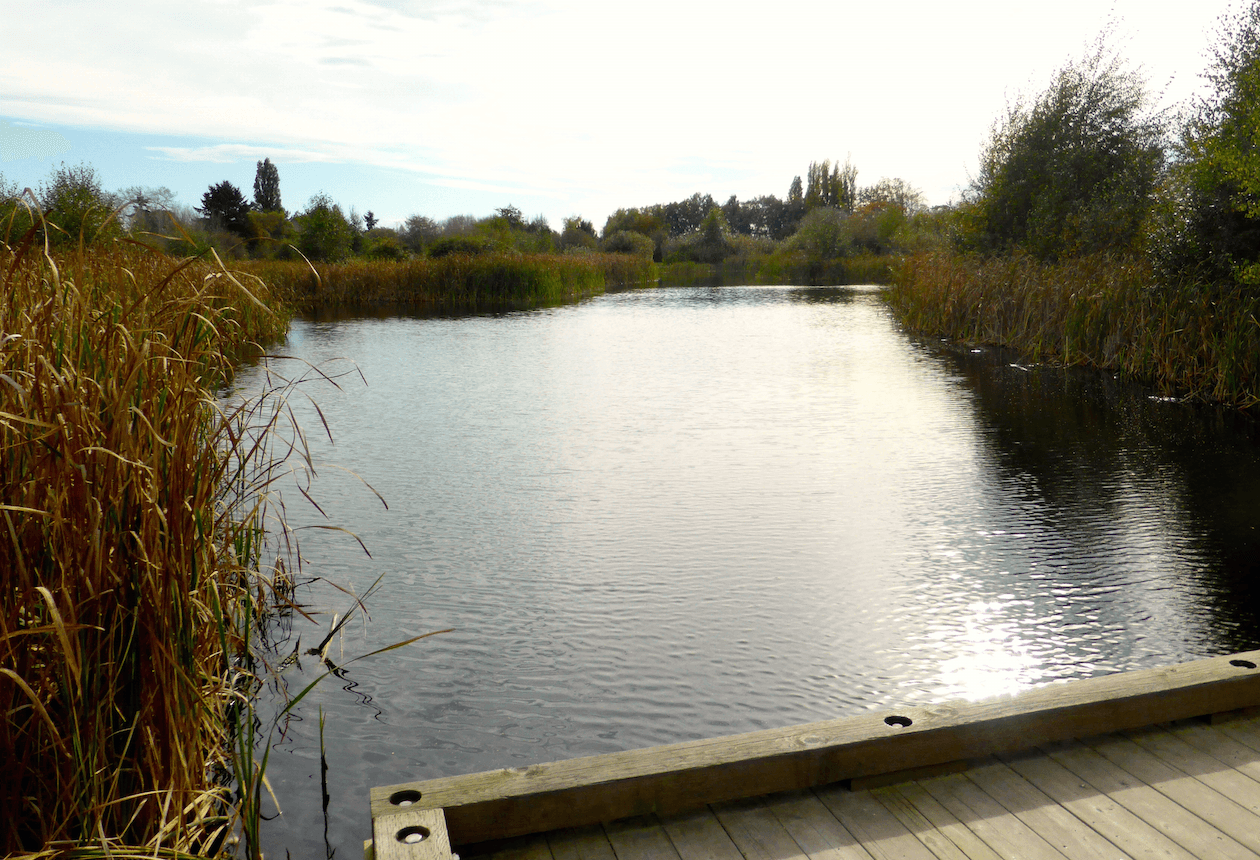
(992, 659)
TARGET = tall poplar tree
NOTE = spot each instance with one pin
(267, 187)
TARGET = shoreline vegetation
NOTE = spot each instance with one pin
(1100, 310)
(138, 574)
(451, 284)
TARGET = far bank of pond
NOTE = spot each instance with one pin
(666, 514)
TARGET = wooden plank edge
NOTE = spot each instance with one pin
(676, 777)
(411, 834)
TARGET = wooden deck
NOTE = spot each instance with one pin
(1184, 790)
(1154, 763)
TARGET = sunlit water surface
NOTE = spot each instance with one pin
(681, 513)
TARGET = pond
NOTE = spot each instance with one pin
(670, 514)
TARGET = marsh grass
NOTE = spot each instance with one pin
(1101, 310)
(453, 283)
(794, 269)
(133, 518)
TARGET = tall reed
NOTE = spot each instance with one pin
(132, 515)
(483, 282)
(1101, 310)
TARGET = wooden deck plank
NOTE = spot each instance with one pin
(533, 847)
(1244, 732)
(756, 832)
(700, 836)
(813, 827)
(984, 816)
(1219, 744)
(1205, 802)
(580, 843)
(940, 840)
(640, 838)
(1206, 768)
(1156, 809)
(879, 831)
(1058, 826)
(1113, 821)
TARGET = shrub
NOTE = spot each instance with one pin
(324, 233)
(1072, 173)
(466, 245)
(1210, 229)
(629, 242)
(77, 207)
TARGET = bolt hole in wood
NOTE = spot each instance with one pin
(405, 798)
(413, 835)
(899, 721)
(1242, 664)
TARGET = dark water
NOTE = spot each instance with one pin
(682, 513)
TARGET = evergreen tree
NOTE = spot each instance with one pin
(267, 187)
(226, 208)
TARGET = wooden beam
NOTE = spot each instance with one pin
(668, 779)
(411, 834)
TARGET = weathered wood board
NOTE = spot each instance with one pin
(668, 779)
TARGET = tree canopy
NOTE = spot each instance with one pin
(226, 208)
(1073, 172)
(1211, 225)
(267, 187)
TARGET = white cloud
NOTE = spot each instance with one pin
(20, 141)
(592, 105)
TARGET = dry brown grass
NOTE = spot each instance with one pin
(133, 567)
(1102, 310)
(455, 283)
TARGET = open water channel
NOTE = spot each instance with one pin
(670, 514)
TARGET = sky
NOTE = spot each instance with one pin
(556, 107)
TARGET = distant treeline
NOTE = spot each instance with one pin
(821, 231)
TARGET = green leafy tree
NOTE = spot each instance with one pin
(267, 187)
(710, 243)
(417, 232)
(832, 186)
(382, 243)
(796, 191)
(578, 233)
(1210, 227)
(225, 208)
(896, 193)
(1074, 171)
(825, 234)
(324, 232)
(271, 234)
(77, 206)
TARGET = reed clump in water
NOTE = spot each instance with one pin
(1102, 309)
(132, 510)
(457, 282)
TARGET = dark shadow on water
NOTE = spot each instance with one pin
(1081, 440)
